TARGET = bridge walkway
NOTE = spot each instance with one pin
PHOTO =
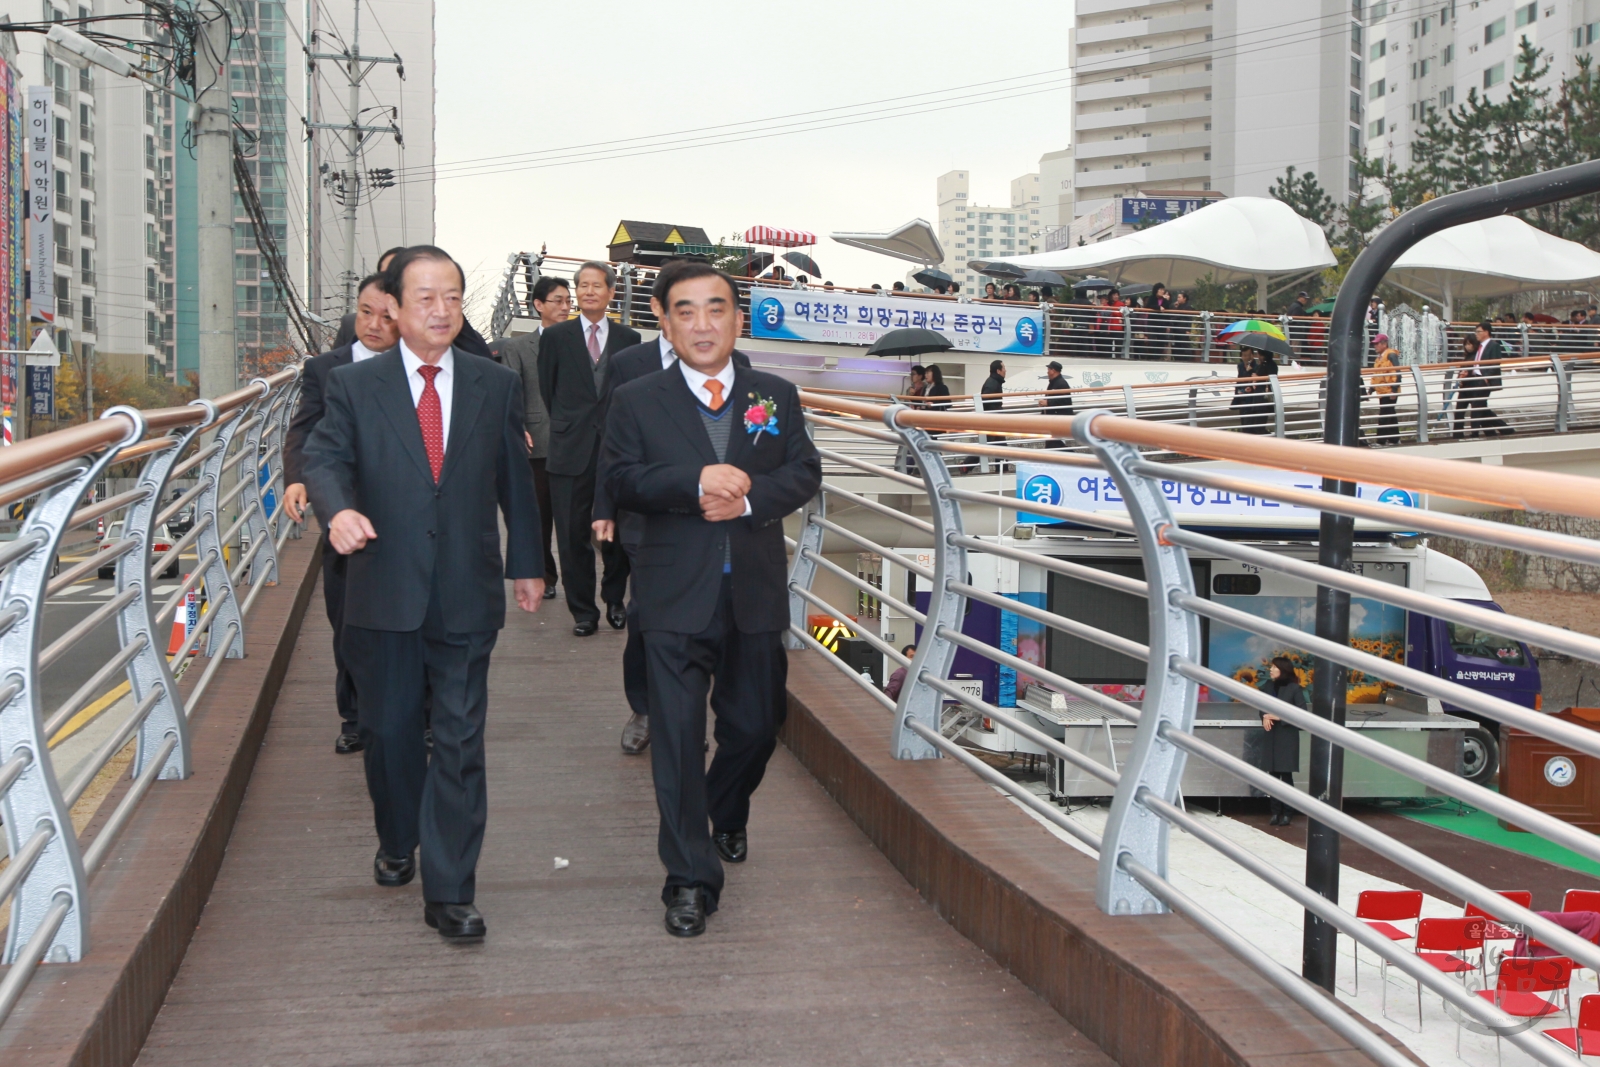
(822, 952)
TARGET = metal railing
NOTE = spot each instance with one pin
(231, 448)
(924, 507)
(1084, 331)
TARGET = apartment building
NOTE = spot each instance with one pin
(971, 231)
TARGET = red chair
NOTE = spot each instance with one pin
(1442, 944)
(1380, 909)
(1495, 931)
(1587, 1032)
(1581, 900)
(1519, 985)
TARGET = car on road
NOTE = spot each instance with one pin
(161, 543)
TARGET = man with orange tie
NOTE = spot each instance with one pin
(713, 455)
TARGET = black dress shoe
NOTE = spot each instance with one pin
(733, 847)
(390, 872)
(617, 616)
(348, 742)
(686, 912)
(455, 922)
(636, 735)
(586, 629)
(550, 591)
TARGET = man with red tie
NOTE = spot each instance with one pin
(418, 451)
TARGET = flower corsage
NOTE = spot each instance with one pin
(761, 417)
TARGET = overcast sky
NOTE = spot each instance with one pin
(521, 77)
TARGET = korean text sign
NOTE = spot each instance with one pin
(851, 318)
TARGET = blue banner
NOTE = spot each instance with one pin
(852, 318)
(1137, 209)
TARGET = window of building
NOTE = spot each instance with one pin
(1355, 108)
(1447, 98)
(1527, 13)
(1355, 139)
(1494, 31)
(152, 288)
(1447, 55)
(1376, 129)
(1494, 75)
(1379, 10)
(85, 170)
(1355, 37)
(1376, 89)
(87, 325)
(86, 266)
(1379, 49)
(1584, 36)
(1355, 72)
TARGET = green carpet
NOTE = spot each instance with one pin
(1484, 827)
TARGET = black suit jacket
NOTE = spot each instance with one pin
(566, 382)
(367, 454)
(313, 387)
(655, 448)
(629, 365)
(468, 340)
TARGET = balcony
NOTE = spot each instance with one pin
(1144, 56)
(1143, 28)
(1140, 177)
(1171, 83)
(1139, 116)
(1105, 7)
(62, 150)
(1140, 146)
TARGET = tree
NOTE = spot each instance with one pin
(1306, 195)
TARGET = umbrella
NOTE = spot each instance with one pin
(1004, 270)
(911, 341)
(1324, 306)
(804, 262)
(932, 277)
(1271, 329)
(1092, 285)
(754, 263)
(1040, 277)
(1264, 342)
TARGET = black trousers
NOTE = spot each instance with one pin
(572, 499)
(1472, 408)
(750, 672)
(547, 517)
(1278, 806)
(344, 685)
(442, 802)
(1388, 420)
(635, 675)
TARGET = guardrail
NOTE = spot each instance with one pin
(232, 447)
(1085, 331)
(1147, 801)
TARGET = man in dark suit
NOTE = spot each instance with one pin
(467, 340)
(575, 358)
(418, 449)
(1478, 379)
(713, 456)
(376, 331)
(627, 527)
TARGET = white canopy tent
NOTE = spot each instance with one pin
(1242, 238)
(1491, 258)
(914, 241)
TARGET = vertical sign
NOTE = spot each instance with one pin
(42, 392)
(41, 196)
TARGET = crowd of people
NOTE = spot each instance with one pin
(671, 460)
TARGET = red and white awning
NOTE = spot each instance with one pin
(773, 237)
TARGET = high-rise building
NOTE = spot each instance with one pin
(1428, 58)
(969, 231)
(393, 177)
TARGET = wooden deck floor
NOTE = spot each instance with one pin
(820, 954)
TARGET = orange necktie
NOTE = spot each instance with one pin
(714, 387)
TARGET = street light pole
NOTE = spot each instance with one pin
(213, 127)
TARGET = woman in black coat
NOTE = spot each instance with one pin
(1280, 750)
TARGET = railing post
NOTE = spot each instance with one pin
(627, 294)
(149, 671)
(802, 571)
(1127, 331)
(1205, 335)
(1132, 831)
(209, 547)
(1044, 327)
(1194, 414)
(1422, 404)
(919, 701)
(264, 561)
(1128, 402)
(1563, 392)
(1523, 339)
(34, 804)
(1277, 405)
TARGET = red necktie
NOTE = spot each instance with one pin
(431, 420)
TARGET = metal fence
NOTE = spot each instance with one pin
(232, 448)
(1083, 331)
(923, 504)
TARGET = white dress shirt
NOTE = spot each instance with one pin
(668, 355)
(359, 351)
(697, 386)
(605, 331)
(443, 383)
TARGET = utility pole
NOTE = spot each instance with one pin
(356, 67)
(213, 128)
